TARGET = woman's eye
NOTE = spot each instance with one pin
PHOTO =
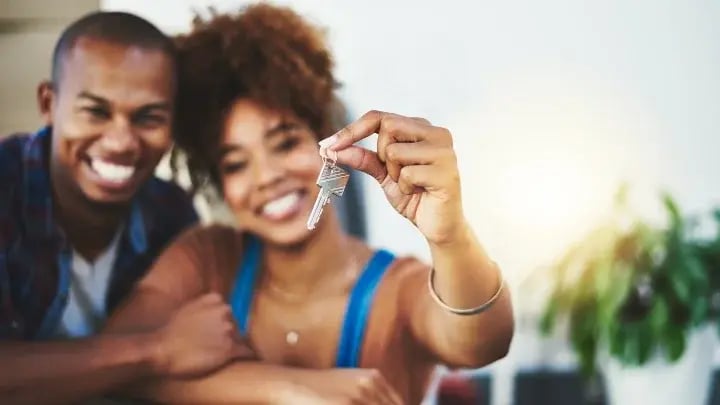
(287, 144)
(234, 167)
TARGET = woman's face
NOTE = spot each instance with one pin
(268, 167)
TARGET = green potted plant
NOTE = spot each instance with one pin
(637, 300)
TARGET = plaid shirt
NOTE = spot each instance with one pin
(35, 256)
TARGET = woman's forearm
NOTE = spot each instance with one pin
(465, 277)
(241, 382)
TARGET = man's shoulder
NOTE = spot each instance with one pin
(11, 156)
(11, 173)
(159, 190)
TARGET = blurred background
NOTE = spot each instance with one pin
(553, 105)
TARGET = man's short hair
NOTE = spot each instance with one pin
(112, 26)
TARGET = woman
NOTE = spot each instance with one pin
(256, 96)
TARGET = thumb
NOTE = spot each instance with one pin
(361, 159)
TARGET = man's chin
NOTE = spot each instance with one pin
(103, 198)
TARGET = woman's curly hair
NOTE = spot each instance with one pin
(266, 53)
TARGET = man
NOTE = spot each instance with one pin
(82, 218)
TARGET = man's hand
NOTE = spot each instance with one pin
(199, 338)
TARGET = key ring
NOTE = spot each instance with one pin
(325, 159)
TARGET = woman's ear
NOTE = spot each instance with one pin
(46, 99)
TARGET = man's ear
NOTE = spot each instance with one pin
(46, 100)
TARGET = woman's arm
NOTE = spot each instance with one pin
(254, 382)
(416, 166)
(464, 278)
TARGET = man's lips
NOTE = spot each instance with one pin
(111, 172)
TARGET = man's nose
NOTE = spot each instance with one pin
(120, 138)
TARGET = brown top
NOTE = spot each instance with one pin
(205, 259)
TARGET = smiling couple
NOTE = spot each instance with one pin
(109, 287)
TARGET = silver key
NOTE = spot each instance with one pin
(332, 181)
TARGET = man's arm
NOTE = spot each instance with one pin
(68, 371)
(198, 338)
(64, 372)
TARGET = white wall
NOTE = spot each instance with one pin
(551, 103)
(28, 31)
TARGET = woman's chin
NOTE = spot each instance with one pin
(287, 237)
(288, 232)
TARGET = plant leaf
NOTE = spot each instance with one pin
(674, 212)
(631, 347)
(699, 309)
(659, 315)
(645, 342)
(547, 321)
(681, 286)
(674, 343)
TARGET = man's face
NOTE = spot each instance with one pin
(111, 116)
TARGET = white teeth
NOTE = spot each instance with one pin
(112, 172)
(281, 206)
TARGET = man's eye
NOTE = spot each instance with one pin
(97, 112)
(150, 120)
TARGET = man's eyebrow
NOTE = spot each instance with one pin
(93, 97)
(160, 105)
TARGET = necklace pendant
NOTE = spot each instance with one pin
(292, 338)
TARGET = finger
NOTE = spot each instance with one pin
(364, 160)
(400, 128)
(417, 153)
(421, 120)
(396, 128)
(415, 178)
(390, 395)
(210, 298)
(227, 314)
(385, 139)
(378, 389)
(360, 129)
(395, 398)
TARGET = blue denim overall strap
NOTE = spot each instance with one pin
(356, 314)
(242, 294)
(358, 310)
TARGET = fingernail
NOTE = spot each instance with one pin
(327, 142)
(323, 152)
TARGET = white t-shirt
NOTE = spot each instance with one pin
(88, 290)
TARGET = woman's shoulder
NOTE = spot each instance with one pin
(405, 267)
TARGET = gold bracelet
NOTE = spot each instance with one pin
(469, 311)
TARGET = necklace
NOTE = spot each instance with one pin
(292, 338)
(292, 335)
